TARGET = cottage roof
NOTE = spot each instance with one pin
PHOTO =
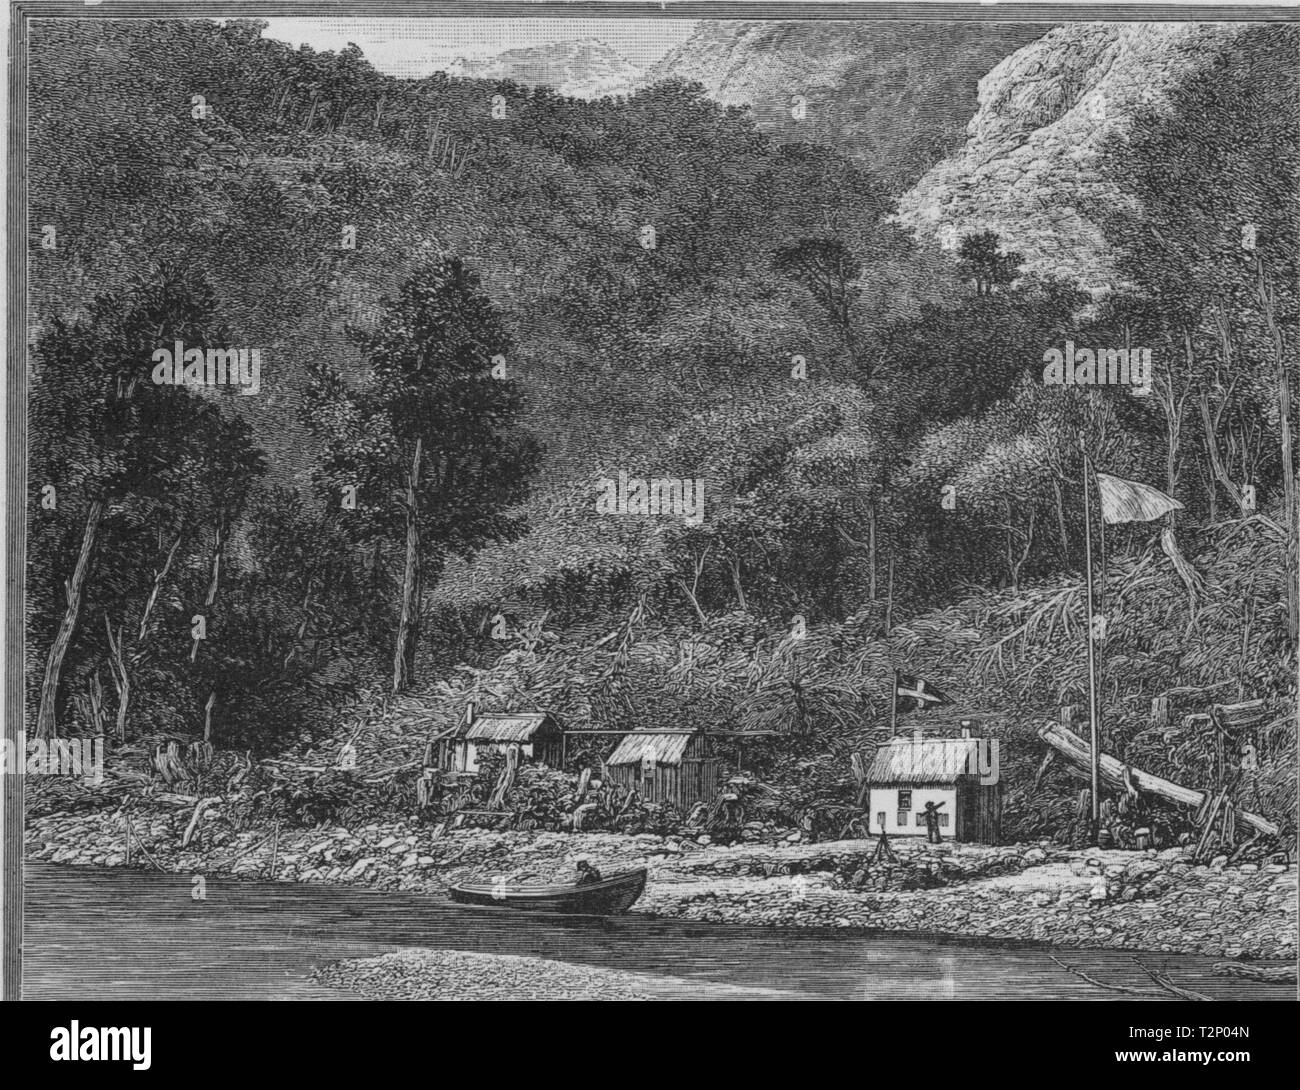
(663, 749)
(930, 760)
(505, 726)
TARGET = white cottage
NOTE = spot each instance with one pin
(906, 773)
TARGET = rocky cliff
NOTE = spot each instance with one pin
(1029, 168)
(894, 96)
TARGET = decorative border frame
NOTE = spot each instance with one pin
(15, 453)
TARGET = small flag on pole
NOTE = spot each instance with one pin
(1128, 501)
(915, 693)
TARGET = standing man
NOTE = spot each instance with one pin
(932, 833)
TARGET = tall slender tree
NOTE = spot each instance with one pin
(431, 442)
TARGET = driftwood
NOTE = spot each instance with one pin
(1207, 825)
(247, 851)
(1169, 986)
(1077, 753)
(1162, 982)
(200, 806)
(1262, 974)
(1126, 989)
(130, 832)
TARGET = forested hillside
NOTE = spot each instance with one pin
(475, 301)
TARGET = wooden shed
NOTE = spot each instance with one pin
(906, 773)
(538, 736)
(676, 768)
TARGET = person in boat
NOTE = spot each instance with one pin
(932, 833)
(587, 874)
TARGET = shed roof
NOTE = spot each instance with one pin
(931, 760)
(505, 726)
(663, 749)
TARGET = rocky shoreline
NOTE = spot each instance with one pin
(1141, 901)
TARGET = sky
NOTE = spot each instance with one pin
(416, 47)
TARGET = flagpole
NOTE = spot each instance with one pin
(893, 706)
(1093, 731)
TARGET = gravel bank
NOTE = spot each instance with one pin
(460, 975)
(1131, 900)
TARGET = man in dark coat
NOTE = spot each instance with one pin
(932, 823)
(587, 874)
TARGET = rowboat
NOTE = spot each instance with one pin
(610, 896)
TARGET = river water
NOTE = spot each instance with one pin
(117, 934)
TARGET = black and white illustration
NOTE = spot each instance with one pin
(635, 505)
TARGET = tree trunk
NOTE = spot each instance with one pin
(158, 579)
(214, 577)
(45, 718)
(1210, 425)
(303, 624)
(1024, 553)
(1219, 471)
(121, 676)
(690, 597)
(871, 548)
(1060, 521)
(1078, 755)
(1172, 406)
(734, 565)
(408, 623)
(1288, 466)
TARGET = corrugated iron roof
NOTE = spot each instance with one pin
(664, 749)
(505, 726)
(931, 760)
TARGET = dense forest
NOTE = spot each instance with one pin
(474, 302)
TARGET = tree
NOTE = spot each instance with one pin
(103, 433)
(431, 442)
(983, 262)
(828, 269)
(1208, 236)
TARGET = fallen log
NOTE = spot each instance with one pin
(1263, 974)
(1077, 753)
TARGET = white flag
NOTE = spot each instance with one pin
(1128, 501)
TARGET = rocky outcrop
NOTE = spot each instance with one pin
(893, 96)
(1030, 167)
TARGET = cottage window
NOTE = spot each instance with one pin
(904, 800)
